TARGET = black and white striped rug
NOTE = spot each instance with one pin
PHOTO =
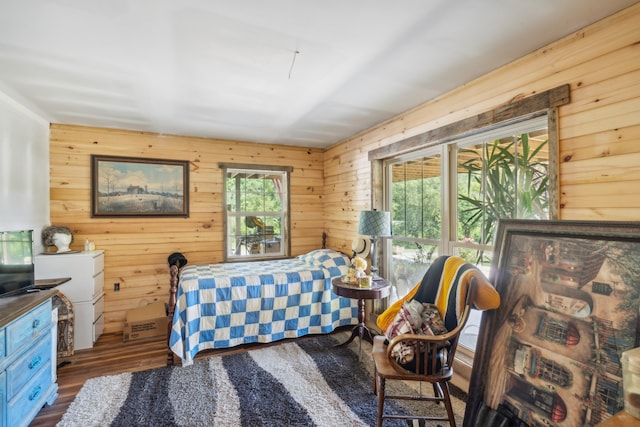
(304, 383)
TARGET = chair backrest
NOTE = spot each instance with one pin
(455, 287)
(434, 359)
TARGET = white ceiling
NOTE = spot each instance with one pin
(229, 68)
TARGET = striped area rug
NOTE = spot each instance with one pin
(309, 382)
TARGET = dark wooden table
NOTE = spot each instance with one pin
(379, 289)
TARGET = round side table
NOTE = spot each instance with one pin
(380, 288)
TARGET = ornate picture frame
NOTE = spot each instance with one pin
(132, 186)
(551, 353)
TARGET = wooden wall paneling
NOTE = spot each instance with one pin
(616, 89)
(602, 169)
(137, 248)
(598, 131)
(596, 119)
(600, 62)
(598, 195)
(547, 67)
(525, 107)
(602, 214)
(610, 142)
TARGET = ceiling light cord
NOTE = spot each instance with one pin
(293, 61)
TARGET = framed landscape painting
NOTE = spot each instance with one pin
(127, 186)
(551, 353)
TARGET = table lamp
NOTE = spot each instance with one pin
(374, 224)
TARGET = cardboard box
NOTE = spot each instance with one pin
(145, 322)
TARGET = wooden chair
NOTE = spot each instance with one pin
(433, 365)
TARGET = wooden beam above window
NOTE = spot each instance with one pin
(515, 110)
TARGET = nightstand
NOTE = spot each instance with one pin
(380, 288)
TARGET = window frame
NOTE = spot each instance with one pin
(285, 241)
(447, 152)
(517, 110)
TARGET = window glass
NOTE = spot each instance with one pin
(450, 201)
(416, 219)
(256, 214)
(505, 178)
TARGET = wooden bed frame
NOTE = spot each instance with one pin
(174, 275)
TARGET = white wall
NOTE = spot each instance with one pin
(24, 169)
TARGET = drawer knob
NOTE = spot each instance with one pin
(35, 393)
(35, 362)
(36, 323)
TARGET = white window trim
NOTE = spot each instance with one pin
(285, 243)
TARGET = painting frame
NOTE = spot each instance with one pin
(551, 352)
(139, 187)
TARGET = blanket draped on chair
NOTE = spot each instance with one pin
(445, 284)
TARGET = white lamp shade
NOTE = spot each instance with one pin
(375, 223)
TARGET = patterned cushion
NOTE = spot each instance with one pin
(414, 318)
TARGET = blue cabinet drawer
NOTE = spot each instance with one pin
(2, 344)
(29, 401)
(28, 326)
(27, 366)
(3, 398)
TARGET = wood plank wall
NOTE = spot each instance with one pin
(599, 172)
(599, 130)
(137, 248)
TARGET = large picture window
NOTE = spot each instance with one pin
(448, 199)
(257, 212)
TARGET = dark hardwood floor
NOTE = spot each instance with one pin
(109, 356)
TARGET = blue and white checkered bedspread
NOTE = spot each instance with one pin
(224, 305)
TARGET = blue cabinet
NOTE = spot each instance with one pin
(27, 357)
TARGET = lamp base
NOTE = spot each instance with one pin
(375, 275)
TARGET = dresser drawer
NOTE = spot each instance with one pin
(31, 398)
(97, 285)
(84, 265)
(84, 268)
(85, 316)
(27, 366)
(98, 308)
(27, 327)
(98, 328)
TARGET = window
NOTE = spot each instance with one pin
(416, 212)
(553, 372)
(447, 199)
(257, 213)
(500, 174)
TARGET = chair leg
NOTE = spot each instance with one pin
(380, 383)
(447, 403)
(375, 381)
(436, 391)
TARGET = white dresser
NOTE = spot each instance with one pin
(84, 290)
(27, 357)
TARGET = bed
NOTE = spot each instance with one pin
(224, 305)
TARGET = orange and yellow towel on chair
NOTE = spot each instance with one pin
(445, 285)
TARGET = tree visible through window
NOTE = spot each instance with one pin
(256, 214)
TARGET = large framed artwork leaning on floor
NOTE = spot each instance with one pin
(551, 353)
